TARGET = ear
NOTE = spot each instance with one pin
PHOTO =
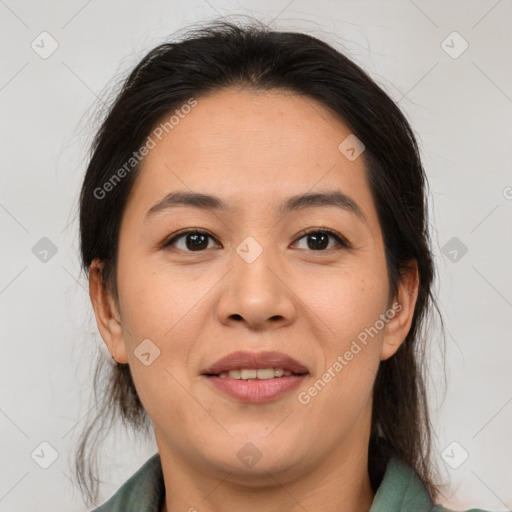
(401, 311)
(107, 314)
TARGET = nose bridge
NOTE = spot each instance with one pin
(255, 292)
(253, 266)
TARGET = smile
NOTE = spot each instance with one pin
(260, 374)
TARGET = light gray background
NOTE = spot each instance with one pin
(461, 110)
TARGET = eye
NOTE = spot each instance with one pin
(194, 240)
(318, 240)
(191, 240)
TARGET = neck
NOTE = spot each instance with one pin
(341, 481)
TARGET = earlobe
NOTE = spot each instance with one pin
(106, 313)
(401, 310)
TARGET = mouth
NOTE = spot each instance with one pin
(256, 377)
(255, 374)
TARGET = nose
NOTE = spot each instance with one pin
(258, 294)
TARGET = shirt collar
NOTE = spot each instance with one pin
(400, 490)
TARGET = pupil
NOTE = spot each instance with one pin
(323, 244)
(198, 241)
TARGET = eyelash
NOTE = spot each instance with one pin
(342, 242)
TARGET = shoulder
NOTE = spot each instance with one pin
(142, 492)
(440, 508)
(401, 490)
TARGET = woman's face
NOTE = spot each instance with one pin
(253, 281)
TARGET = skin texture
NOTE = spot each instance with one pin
(254, 150)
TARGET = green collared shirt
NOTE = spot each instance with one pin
(400, 491)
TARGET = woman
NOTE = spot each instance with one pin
(254, 228)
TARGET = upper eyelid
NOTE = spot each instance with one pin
(188, 231)
(342, 240)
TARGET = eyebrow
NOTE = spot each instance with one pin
(293, 203)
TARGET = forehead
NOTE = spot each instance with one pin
(252, 148)
(266, 132)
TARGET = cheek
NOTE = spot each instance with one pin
(345, 301)
(346, 305)
(349, 347)
(157, 301)
(165, 308)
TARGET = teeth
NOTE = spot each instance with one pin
(265, 373)
(251, 373)
(248, 374)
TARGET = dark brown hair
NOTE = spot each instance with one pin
(226, 54)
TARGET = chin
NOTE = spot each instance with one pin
(257, 461)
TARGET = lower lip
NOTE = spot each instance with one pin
(256, 391)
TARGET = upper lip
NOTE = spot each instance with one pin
(255, 360)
